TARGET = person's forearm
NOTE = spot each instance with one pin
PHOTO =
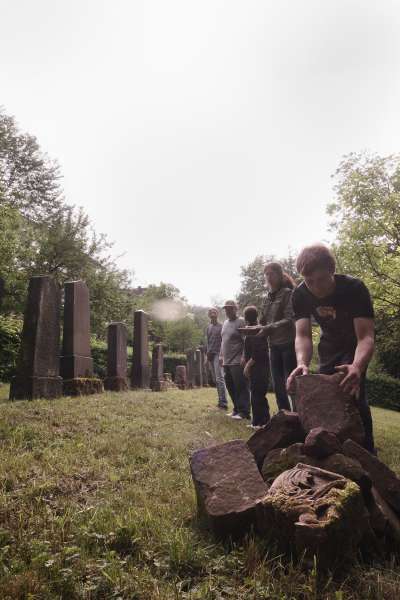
(304, 350)
(363, 353)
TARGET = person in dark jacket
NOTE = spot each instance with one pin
(255, 369)
(279, 328)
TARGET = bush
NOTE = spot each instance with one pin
(10, 338)
(99, 355)
(171, 360)
(383, 391)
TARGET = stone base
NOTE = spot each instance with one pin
(159, 385)
(83, 386)
(116, 384)
(75, 366)
(30, 388)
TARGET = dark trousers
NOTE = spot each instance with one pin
(258, 395)
(362, 401)
(236, 385)
(283, 362)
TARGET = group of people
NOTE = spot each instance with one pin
(244, 350)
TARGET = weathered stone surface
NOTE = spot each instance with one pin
(169, 383)
(321, 443)
(140, 375)
(191, 374)
(390, 519)
(82, 386)
(349, 468)
(383, 478)
(37, 374)
(282, 430)
(198, 365)
(116, 379)
(76, 360)
(228, 487)
(312, 511)
(180, 377)
(321, 402)
(157, 382)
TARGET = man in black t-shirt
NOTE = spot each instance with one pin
(255, 369)
(342, 307)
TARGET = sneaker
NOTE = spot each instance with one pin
(231, 414)
(222, 407)
(237, 417)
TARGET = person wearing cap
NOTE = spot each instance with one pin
(213, 348)
(231, 358)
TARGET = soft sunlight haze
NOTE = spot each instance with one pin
(199, 134)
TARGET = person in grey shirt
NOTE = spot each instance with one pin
(213, 348)
(231, 358)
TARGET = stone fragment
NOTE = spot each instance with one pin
(140, 374)
(117, 339)
(347, 467)
(311, 511)
(191, 374)
(76, 361)
(383, 478)
(157, 382)
(180, 377)
(321, 402)
(37, 374)
(170, 384)
(282, 430)
(391, 520)
(321, 443)
(199, 368)
(228, 487)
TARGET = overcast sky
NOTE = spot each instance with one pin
(200, 134)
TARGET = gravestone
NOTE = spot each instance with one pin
(191, 375)
(38, 363)
(204, 364)
(198, 365)
(116, 358)
(181, 377)
(157, 382)
(140, 374)
(76, 360)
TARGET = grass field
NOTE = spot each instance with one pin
(97, 502)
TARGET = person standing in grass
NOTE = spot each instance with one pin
(256, 371)
(213, 348)
(231, 359)
(278, 327)
(342, 307)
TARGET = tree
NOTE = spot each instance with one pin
(183, 334)
(252, 288)
(366, 219)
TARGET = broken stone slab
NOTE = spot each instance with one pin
(181, 377)
(391, 520)
(311, 511)
(321, 443)
(384, 479)
(282, 430)
(321, 402)
(228, 487)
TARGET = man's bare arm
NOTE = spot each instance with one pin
(304, 350)
(365, 333)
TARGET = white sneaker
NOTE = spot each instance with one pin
(237, 417)
(230, 414)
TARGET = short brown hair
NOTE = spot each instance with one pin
(250, 314)
(317, 256)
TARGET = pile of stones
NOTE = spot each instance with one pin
(304, 481)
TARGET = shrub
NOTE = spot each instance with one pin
(171, 360)
(10, 338)
(383, 391)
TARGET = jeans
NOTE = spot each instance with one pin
(362, 401)
(236, 385)
(258, 395)
(283, 362)
(218, 377)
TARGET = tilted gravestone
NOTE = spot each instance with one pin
(76, 360)
(140, 374)
(116, 379)
(158, 383)
(38, 363)
(199, 368)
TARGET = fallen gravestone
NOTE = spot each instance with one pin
(37, 373)
(321, 402)
(116, 379)
(228, 487)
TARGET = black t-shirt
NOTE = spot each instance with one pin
(256, 348)
(335, 313)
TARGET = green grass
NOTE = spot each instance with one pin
(96, 501)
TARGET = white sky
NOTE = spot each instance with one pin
(200, 134)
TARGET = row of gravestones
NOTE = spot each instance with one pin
(42, 373)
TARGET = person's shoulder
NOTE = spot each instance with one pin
(299, 291)
(348, 282)
(240, 322)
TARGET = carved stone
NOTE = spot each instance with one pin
(116, 379)
(180, 377)
(140, 375)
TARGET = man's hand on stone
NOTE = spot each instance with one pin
(298, 371)
(351, 382)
